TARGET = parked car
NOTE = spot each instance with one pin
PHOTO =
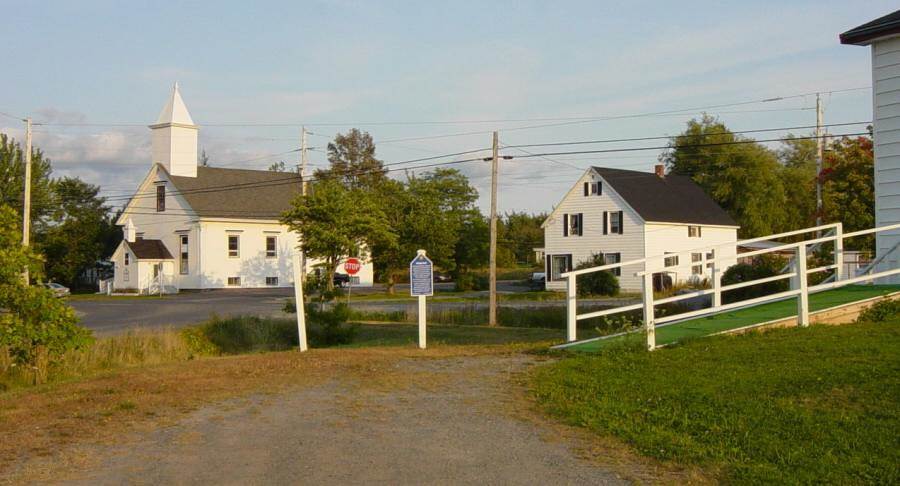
(340, 279)
(58, 289)
(537, 280)
(442, 277)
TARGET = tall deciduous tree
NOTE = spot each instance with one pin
(78, 231)
(798, 173)
(336, 221)
(740, 175)
(849, 187)
(353, 161)
(12, 180)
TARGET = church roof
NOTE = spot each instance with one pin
(149, 249)
(886, 26)
(175, 110)
(238, 193)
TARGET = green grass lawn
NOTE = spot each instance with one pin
(813, 405)
(704, 326)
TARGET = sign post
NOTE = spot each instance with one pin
(421, 285)
(297, 262)
(351, 266)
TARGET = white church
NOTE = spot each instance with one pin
(194, 227)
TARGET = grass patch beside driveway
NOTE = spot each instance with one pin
(815, 405)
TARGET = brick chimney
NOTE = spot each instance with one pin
(660, 171)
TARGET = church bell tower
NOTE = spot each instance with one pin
(174, 138)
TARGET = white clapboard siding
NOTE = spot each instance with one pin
(630, 244)
(886, 107)
(662, 238)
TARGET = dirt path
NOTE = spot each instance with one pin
(438, 421)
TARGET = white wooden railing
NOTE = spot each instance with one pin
(798, 275)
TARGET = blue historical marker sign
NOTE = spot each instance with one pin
(421, 275)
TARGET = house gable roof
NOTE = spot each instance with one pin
(149, 249)
(237, 193)
(886, 26)
(669, 199)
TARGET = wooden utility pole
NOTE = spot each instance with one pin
(303, 162)
(820, 149)
(26, 203)
(492, 307)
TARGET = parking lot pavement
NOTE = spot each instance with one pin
(117, 315)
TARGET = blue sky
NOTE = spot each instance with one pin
(388, 67)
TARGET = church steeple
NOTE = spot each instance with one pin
(174, 138)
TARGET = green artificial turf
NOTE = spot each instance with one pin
(704, 326)
(817, 405)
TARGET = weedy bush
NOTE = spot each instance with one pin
(880, 311)
(762, 266)
(244, 334)
(471, 281)
(596, 283)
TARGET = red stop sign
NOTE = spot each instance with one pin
(352, 266)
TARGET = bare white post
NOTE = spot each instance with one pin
(422, 313)
(803, 296)
(717, 285)
(571, 309)
(839, 252)
(649, 319)
(296, 260)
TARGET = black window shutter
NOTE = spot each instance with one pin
(548, 273)
(605, 222)
(569, 263)
(621, 222)
(587, 188)
(580, 224)
(565, 225)
(618, 271)
(599, 188)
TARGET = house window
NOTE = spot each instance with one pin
(593, 188)
(125, 275)
(183, 266)
(558, 264)
(693, 232)
(615, 222)
(234, 246)
(671, 261)
(127, 258)
(354, 280)
(161, 198)
(609, 258)
(697, 258)
(271, 281)
(711, 255)
(271, 247)
(234, 281)
(573, 224)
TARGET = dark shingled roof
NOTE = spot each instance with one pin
(880, 27)
(149, 249)
(238, 193)
(670, 199)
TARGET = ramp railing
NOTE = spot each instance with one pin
(798, 274)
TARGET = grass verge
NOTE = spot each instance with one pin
(816, 405)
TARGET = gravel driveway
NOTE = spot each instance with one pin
(449, 421)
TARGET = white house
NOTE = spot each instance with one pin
(883, 34)
(628, 215)
(190, 227)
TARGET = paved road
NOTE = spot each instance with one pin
(110, 316)
(456, 422)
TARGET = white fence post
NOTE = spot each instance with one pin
(803, 296)
(839, 252)
(650, 325)
(717, 285)
(571, 309)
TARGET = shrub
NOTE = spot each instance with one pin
(880, 311)
(763, 266)
(329, 327)
(244, 334)
(596, 283)
(471, 281)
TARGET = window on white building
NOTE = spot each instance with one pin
(671, 261)
(558, 264)
(234, 246)
(613, 258)
(183, 257)
(693, 232)
(271, 281)
(271, 246)
(160, 198)
(697, 258)
(234, 281)
(710, 255)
